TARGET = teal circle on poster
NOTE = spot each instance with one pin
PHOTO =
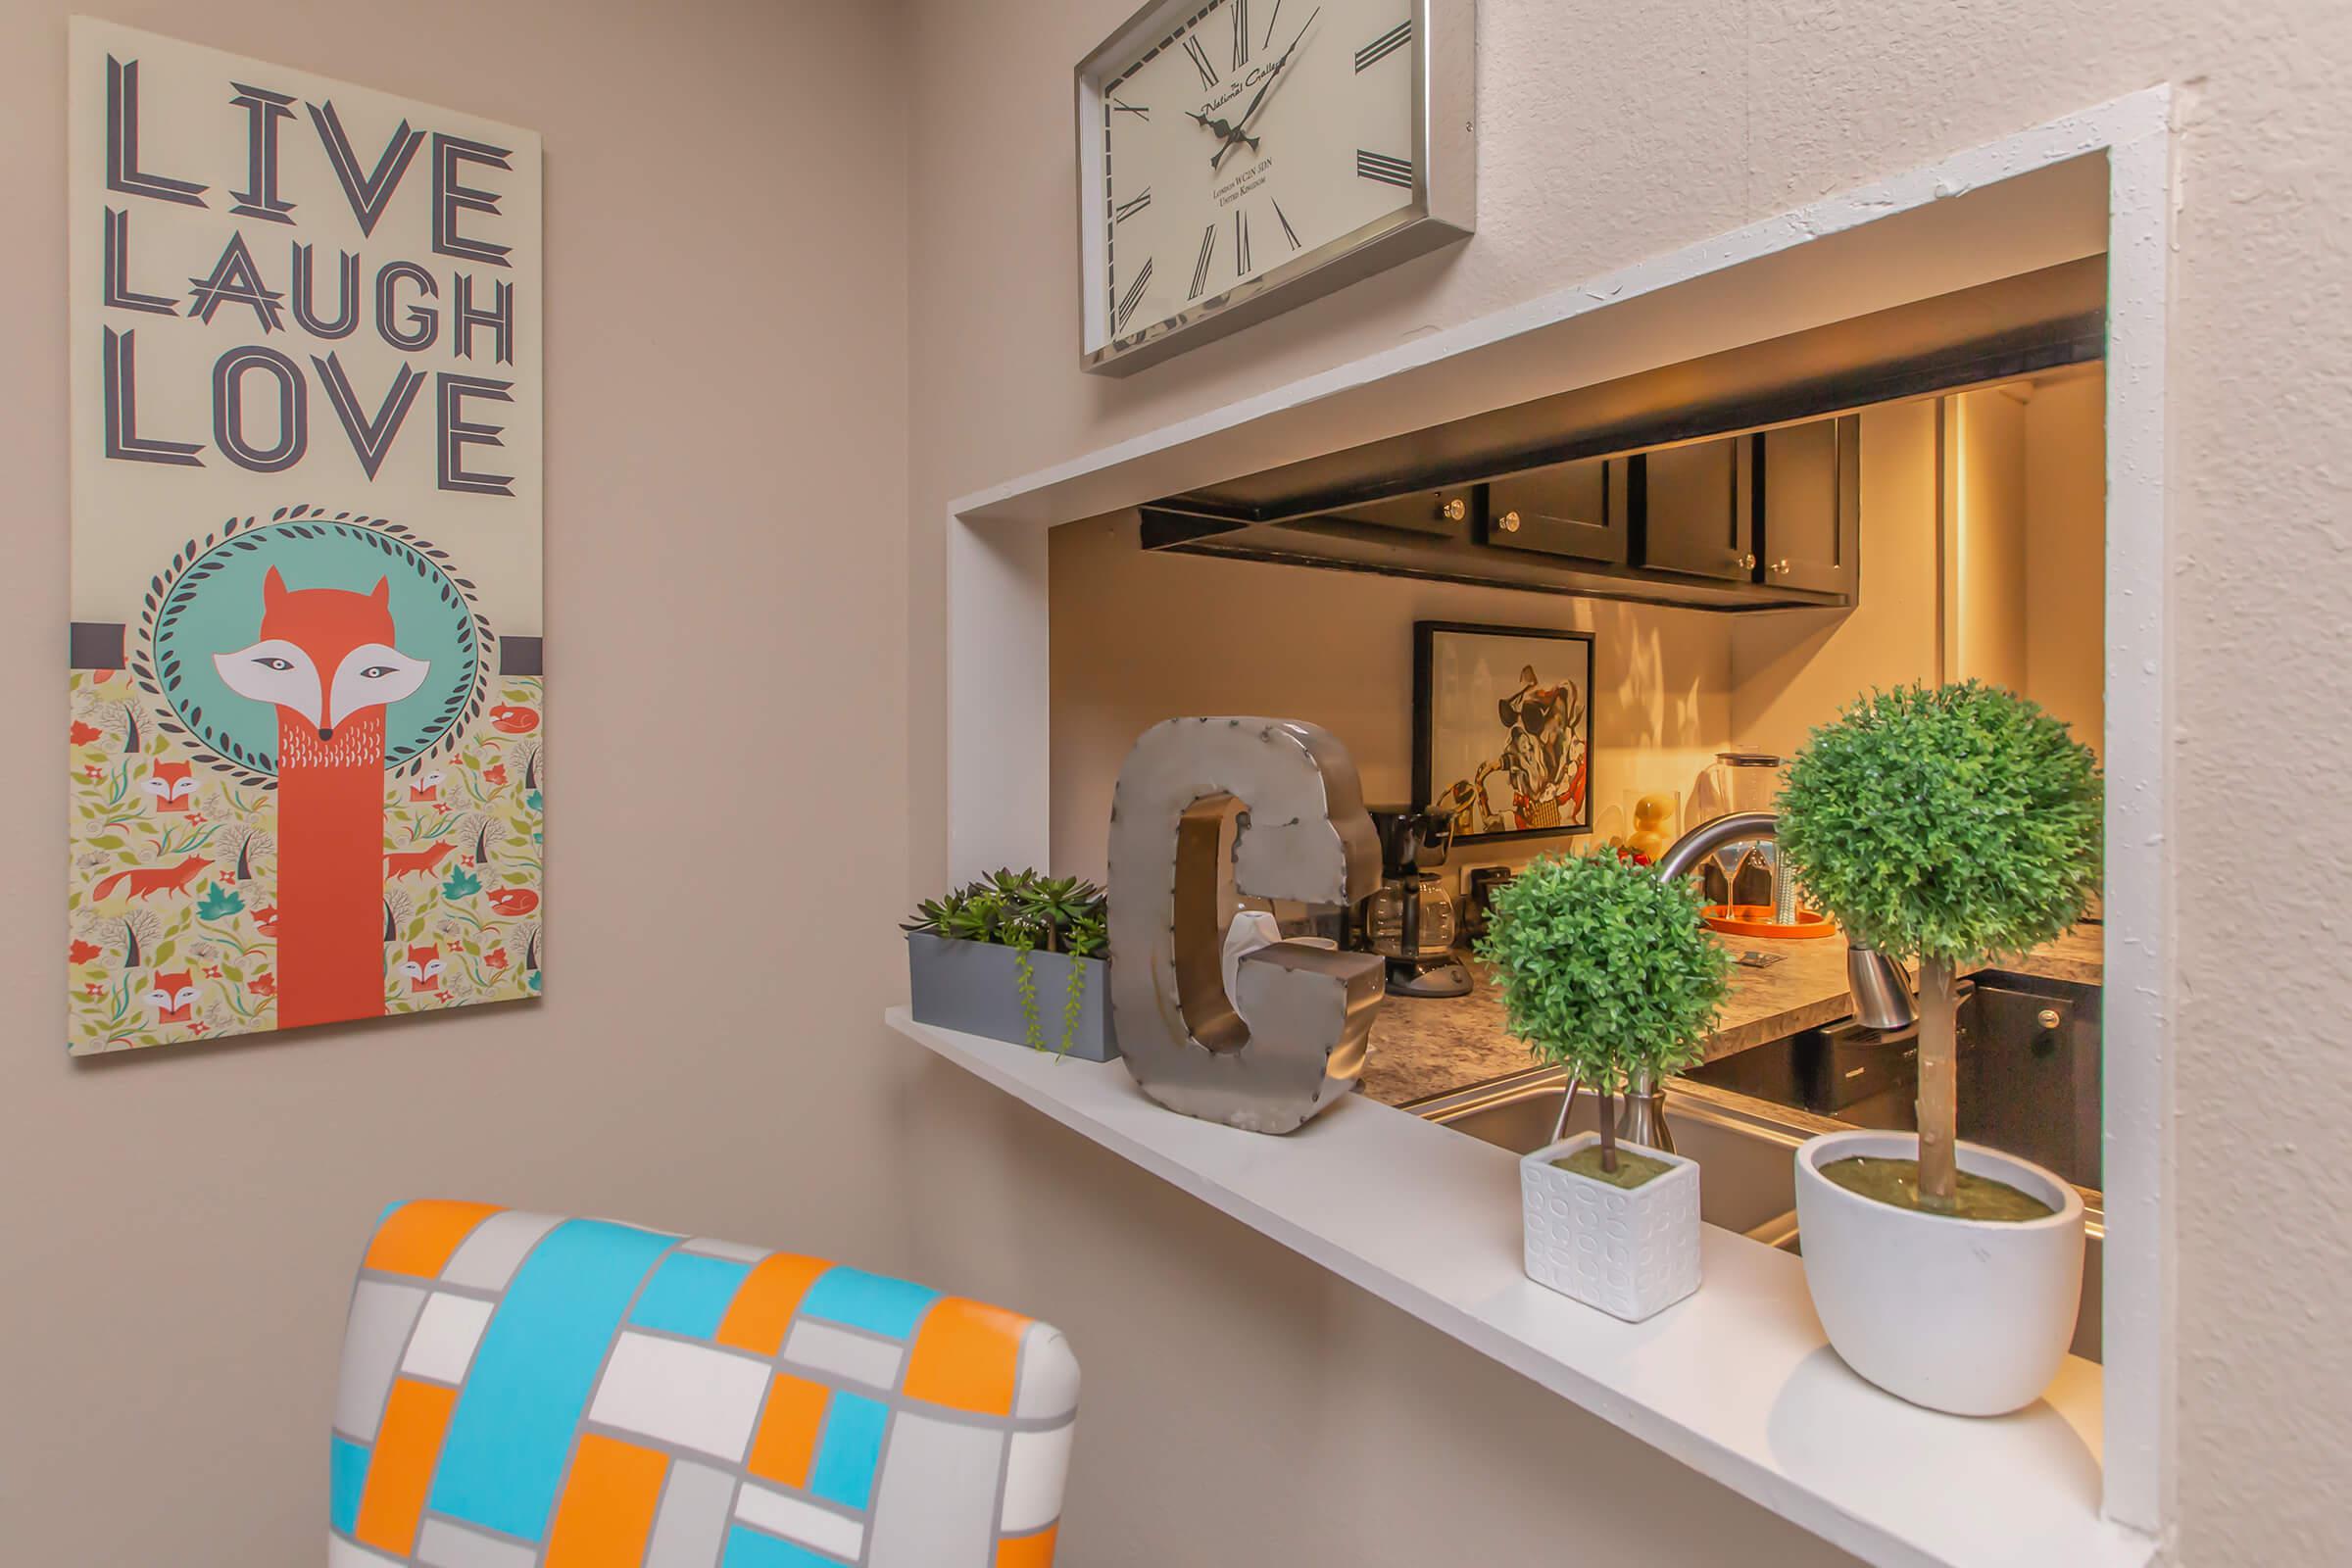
(213, 606)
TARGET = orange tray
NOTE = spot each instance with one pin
(1755, 920)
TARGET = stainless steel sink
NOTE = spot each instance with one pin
(1745, 1150)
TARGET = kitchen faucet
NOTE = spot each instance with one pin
(1881, 989)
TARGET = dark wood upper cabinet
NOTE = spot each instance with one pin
(1580, 511)
(1809, 484)
(1694, 509)
(1765, 521)
(1441, 513)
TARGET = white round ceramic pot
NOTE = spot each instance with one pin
(1969, 1317)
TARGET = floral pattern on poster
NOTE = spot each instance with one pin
(172, 909)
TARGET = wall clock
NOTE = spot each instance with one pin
(1240, 157)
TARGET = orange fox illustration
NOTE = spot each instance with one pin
(172, 996)
(325, 660)
(171, 785)
(408, 862)
(423, 967)
(154, 879)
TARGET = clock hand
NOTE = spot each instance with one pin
(1223, 131)
(1273, 75)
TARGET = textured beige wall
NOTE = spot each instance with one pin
(178, 1228)
(1611, 132)
(2066, 537)
(1139, 638)
(1987, 538)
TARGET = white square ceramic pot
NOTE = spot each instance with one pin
(1631, 1251)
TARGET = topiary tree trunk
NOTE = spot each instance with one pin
(1939, 1085)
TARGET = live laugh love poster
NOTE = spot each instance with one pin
(304, 733)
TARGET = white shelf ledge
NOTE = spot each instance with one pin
(1736, 1382)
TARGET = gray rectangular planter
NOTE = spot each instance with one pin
(975, 987)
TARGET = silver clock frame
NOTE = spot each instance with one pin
(1444, 209)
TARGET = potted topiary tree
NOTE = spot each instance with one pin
(978, 959)
(1942, 827)
(1607, 971)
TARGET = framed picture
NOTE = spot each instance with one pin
(1502, 729)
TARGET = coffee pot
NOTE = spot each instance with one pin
(1410, 919)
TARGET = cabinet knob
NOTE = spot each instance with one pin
(1510, 521)
(1454, 511)
(1747, 563)
(1781, 567)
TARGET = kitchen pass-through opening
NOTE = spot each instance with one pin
(1965, 526)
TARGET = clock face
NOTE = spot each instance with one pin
(1255, 131)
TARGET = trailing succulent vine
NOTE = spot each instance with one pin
(1026, 911)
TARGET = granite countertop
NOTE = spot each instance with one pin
(1421, 1046)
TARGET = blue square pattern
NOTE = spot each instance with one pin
(850, 1450)
(749, 1548)
(689, 1295)
(346, 1479)
(511, 1434)
(873, 1302)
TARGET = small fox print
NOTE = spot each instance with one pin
(423, 967)
(174, 996)
(156, 879)
(410, 861)
(172, 785)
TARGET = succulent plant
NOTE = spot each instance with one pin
(1026, 910)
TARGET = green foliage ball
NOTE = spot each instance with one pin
(1606, 967)
(1954, 823)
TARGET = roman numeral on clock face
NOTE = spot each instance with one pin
(1208, 248)
(1241, 243)
(1119, 108)
(1200, 58)
(1387, 44)
(1135, 293)
(1132, 206)
(1241, 34)
(1287, 232)
(1381, 166)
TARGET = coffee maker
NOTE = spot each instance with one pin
(1410, 919)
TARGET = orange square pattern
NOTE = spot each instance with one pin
(1027, 1551)
(419, 1237)
(606, 1512)
(408, 1446)
(785, 1441)
(764, 1303)
(966, 1356)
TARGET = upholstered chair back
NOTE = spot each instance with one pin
(524, 1391)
